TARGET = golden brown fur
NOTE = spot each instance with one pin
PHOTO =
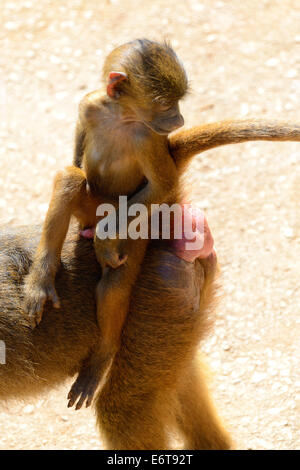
(156, 382)
(184, 144)
(122, 143)
(146, 387)
(123, 136)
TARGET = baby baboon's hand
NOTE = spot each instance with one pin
(36, 295)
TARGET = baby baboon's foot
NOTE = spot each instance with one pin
(85, 386)
(109, 253)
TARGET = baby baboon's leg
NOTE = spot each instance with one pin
(113, 296)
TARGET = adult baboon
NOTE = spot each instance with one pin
(155, 383)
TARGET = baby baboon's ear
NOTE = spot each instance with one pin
(114, 84)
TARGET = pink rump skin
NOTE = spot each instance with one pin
(201, 231)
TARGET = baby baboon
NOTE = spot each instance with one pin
(122, 142)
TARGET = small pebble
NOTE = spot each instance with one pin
(258, 377)
(272, 62)
(28, 409)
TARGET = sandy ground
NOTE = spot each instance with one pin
(243, 59)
